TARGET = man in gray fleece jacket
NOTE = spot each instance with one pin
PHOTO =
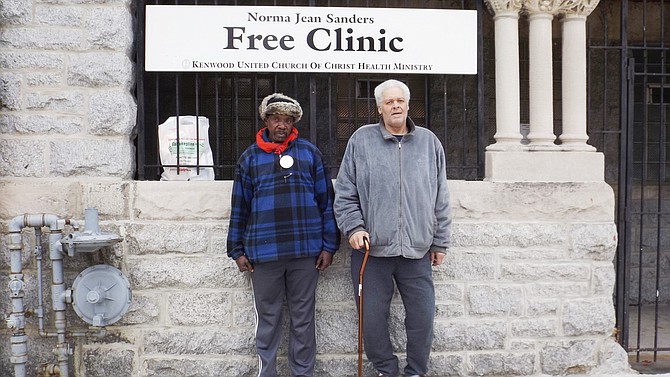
(392, 190)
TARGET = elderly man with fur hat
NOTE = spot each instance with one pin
(283, 232)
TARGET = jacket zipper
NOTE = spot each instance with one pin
(400, 210)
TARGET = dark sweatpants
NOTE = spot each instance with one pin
(296, 280)
(414, 280)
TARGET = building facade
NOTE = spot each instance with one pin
(528, 286)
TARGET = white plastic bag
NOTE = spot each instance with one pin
(190, 144)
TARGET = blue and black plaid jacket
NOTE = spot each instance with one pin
(279, 213)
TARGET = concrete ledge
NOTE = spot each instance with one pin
(545, 166)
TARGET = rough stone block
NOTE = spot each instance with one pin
(58, 198)
(494, 300)
(613, 359)
(43, 38)
(534, 327)
(446, 365)
(183, 272)
(502, 364)
(594, 241)
(200, 308)
(59, 15)
(100, 69)
(530, 254)
(485, 335)
(335, 286)
(21, 158)
(338, 366)
(199, 367)
(178, 201)
(218, 243)
(510, 234)
(100, 362)
(449, 336)
(569, 357)
(522, 345)
(336, 329)
(109, 28)
(244, 314)
(144, 309)
(449, 291)
(459, 265)
(557, 289)
(166, 238)
(542, 306)
(56, 100)
(446, 311)
(31, 60)
(593, 316)
(109, 198)
(44, 79)
(524, 271)
(17, 12)
(102, 158)
(520, 201)
(603, 279)
(244, 296)
(111, 112)
(10, 91)
(201, 341)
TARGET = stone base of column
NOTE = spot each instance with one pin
(545, 166)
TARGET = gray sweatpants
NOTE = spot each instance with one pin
(414, 280)
(296, 280)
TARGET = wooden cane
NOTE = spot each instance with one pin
(360, 306)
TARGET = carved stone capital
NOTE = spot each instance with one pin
(580, 7)
(543, 6)
(504, 6)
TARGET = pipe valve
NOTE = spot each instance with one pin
(15, 321)
(16, 285)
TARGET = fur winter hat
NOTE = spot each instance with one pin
(278, 103)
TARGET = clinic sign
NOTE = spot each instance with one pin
(187, 38)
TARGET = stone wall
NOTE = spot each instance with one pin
(66, 76)
(526, 288)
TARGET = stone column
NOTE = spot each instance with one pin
(540, 16)
(574, 74)
(508, 118)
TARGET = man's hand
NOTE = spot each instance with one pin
(324, 260)
(244, 265)
(356, 239)
(436, 258)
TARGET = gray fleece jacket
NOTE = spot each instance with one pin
(396, 191)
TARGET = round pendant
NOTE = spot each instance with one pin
(286, 161)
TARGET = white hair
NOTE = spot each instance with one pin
(388, 84)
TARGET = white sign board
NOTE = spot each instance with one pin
(310, 39)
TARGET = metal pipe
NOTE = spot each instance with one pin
(58, 305)
(91, 221)
(48, 370)
(40, 284)
(17, 318)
